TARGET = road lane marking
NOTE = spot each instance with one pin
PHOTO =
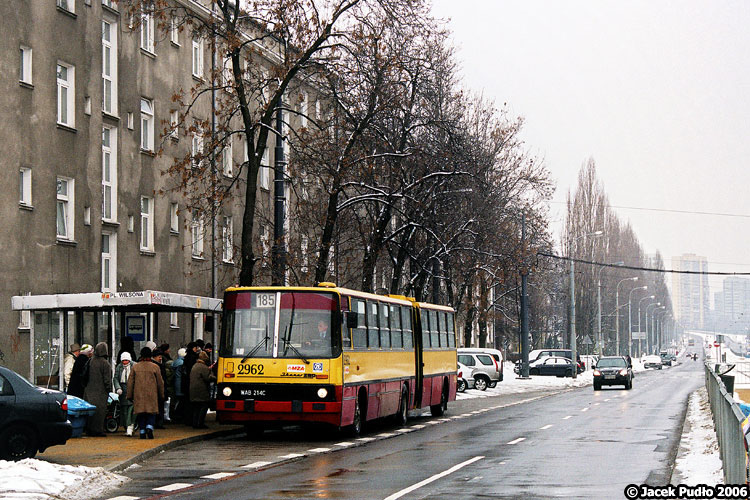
(291, 455)
(453, 469)
(365, 440)
(319, 450)
(545, 427)
(569, 416)
(344, 444)
(255, 465)
(585, 409)
(218, 475)
(418, 426)
(173, 487)
(516, 441)
(124, 497)
(606, 400)
(386, 435)
(597, 404)
(404, 431)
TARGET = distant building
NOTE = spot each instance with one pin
(733, 305)
(690, 291)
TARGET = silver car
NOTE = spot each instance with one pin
(484, 368)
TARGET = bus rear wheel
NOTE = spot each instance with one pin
(403, 410)
(439, 409)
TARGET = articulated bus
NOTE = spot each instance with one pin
(331, 355)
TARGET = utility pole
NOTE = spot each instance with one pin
(279, 187)
(573, 311)
(524, 305)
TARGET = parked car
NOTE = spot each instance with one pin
(496, 355)
(666, 358)
(613, 370)
(464, 379)
(552, 365)
(484, 368)
(31, 418)
(538, 354)
(652, 361)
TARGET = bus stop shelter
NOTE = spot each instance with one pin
(59, 320)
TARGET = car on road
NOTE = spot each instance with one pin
(496, 355)
(552, 365)
(31, 418)
(485, 370)
(538, 354)
(464, 378)
(652, 361)
(666, 358)
(613, 370)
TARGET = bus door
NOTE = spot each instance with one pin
(418, 356)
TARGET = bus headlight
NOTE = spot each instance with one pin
(227, 391)
(322, 392)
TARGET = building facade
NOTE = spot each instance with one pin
(690, 292)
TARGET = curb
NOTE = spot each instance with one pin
(119, 467)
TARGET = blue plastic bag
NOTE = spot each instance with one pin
(75, 403)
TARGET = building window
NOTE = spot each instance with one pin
(227, 240)
(110, 4)
(147, 32)
(174, 218)
(109, 174)
(226, 158)
(147, 224)
(304, 243)
(109, 67)
(173, 321)
(174, 124)
(265, 170)
(198, 58)
(147, 124)
(65, 205)
(196, 149)
(265, 243)
(197, 235)
(109, 262)
(24, 321)
(174, 32)
(66, 88)
(304, 111)
(24, 196)
(69, 5)
(25, 69)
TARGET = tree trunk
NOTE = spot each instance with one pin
(327, 238)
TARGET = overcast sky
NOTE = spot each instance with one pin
(657, 93)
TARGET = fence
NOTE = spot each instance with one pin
(728, 424)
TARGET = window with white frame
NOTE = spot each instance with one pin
(174, 124)
(109, 67)
(174, 31)
(173, 320)
(196, 149)
(227, 239)
(24, 320)
(109, 262)
(196, 230)
(66, 88)
(147, 224)
(174, 218)
(147, 32)
(265, 243)
(110, 4)
(265, 170)
(332, 261)
(109, 174)
(317, 110)
(25, 65)
(303, 107)
(197, 58)
(69, 5)
(24, 195)
(226, 158)
(65, 208)
(147, 124)
(226, 73)
(303, 245)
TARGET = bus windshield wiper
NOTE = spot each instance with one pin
(255, 349)
(288, 343)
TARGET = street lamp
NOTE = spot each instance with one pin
(573, 299)
(658, 325)
(617, 312)
(630, 318)
(650, 335)
(599, 306)
(639, 321)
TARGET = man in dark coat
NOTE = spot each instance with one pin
(145, 389)
(191, 356)
(200, 394)
(97, 390)
(79, 372)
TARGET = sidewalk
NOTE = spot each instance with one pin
(117, 451)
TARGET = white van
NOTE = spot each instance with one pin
(496, 355)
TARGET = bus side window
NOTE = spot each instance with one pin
(443, 329)
(406, 325)
(434, 332)
(385, 329)
(360, 333)
(346, 342)
(425, 329)
(451, 331)
(373, 333)
(396, 339)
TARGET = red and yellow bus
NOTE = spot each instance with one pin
(331, 355)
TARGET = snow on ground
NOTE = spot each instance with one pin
(698, 460)
(32, 479)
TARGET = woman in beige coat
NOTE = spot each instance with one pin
(145, 389)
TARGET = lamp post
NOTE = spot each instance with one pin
(658, 324)
(617, 312)
(639, 320)
(650, 336)
(573, 299)
(630, 318)
(599, 307)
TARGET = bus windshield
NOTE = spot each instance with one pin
(280, 324)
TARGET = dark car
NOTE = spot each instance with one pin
(31, 418)
(552, 365)
(666, 358)
(613, 370)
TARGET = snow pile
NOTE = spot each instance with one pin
(36, 479)
(698, 461)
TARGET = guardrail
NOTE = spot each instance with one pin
(728, 424)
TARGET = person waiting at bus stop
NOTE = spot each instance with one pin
(145, 389)
(200, 390)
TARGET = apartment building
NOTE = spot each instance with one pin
(690, 292)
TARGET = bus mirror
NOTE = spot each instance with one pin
(351, 319)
